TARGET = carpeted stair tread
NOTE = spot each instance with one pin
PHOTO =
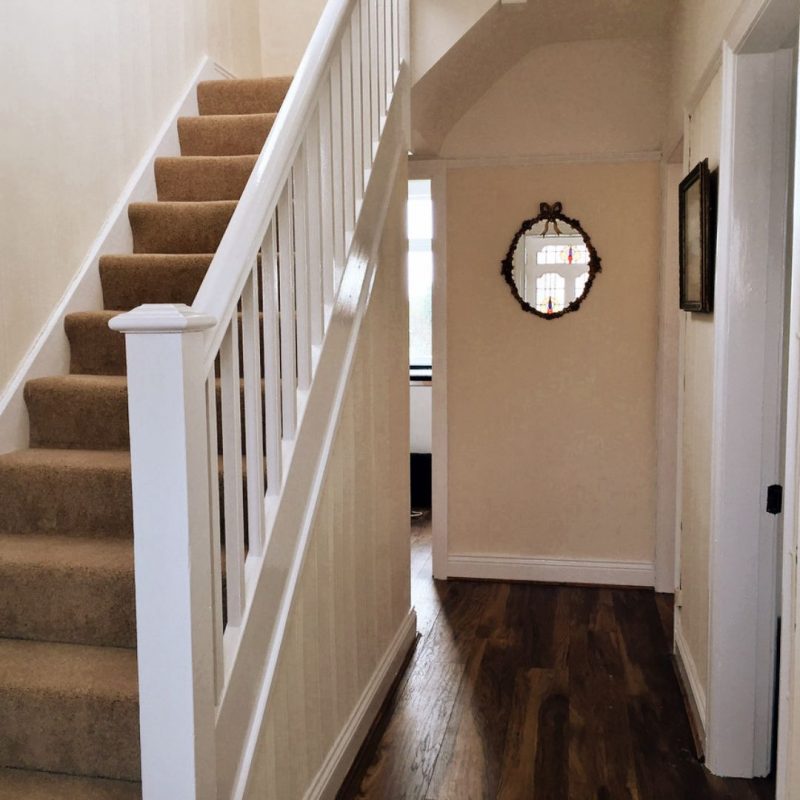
(94, 348)
(224, 135)
(132, 280)
(179, 227)
(67, 589)
(69, 492)
(243, 96)
(78, 411)
(21, 784)
(200, 178)
(69, 708)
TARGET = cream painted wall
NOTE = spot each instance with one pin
(354, 590)
(86, 87)
(234, 36)
(286, 29)
(551, 424)
(437, 26)
(699, 28)
(703, 141)
(568, 98)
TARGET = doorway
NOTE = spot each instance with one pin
(748, 395)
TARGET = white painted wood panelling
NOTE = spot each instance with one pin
(352, 600)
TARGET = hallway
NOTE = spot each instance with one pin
(501, 699)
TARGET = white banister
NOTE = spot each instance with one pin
(234, 401)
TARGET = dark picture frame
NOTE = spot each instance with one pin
(697, 233)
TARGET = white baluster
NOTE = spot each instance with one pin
(288, 332)
(337, 149)
(358, 132)
(216, 533)
(303, 321)
(382, 76)
(272, 366)
(326, 193)
(170, 466)
(233, 486)
(366, 87)
(374, 71)
(314, 228)
(347, 135)
(253, 413)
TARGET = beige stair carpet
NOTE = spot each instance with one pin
(68, 678)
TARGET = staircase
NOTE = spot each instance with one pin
(69, 705)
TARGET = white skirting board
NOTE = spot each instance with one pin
(334, 769)
(550, 570)
(49, 353)
(687, 671)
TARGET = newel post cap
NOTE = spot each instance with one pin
(162, 318)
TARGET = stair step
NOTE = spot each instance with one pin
(69, 708)
(94, 348)
(244, 96)
(21, 784)
(132, 280)
(179, 227)
(69, 492)
(67, 589)
(199, 178)
(78, 411)
(86, 411)
(225, 135)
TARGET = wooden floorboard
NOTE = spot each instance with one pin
(521, 691)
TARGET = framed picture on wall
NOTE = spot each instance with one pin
(697, 198)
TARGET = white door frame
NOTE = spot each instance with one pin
(788, 769)
(746, 428)
(436, 173)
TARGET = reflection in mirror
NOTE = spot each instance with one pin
(551, 264)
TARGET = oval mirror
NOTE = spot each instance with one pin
(551, 264)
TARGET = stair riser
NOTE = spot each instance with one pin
(254, 96)
(68, 502)
(126, 287)
(77, 735)
(94, 348)
(78, 607)
(88, 420)
(178, 227)
(220, 136)
(97, 350)
(192, 180)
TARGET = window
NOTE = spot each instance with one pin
(550, 293)
(563, 254)
(420, 277)
(580, 283)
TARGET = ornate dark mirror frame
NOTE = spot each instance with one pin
(553, 214)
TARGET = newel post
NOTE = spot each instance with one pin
(169, 462)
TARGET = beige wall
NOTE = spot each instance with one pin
(551, 423)
(286, 29)
(85, 89)
(699, 28)
(353, 592)
(568, 98)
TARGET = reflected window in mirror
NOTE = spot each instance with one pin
(551, 263)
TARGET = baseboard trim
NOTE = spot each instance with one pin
(49, 352)
(691, 687)
(551, 570)
(345, 749)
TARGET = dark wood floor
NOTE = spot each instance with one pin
(521, 691)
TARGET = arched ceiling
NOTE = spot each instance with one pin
(504, 35)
